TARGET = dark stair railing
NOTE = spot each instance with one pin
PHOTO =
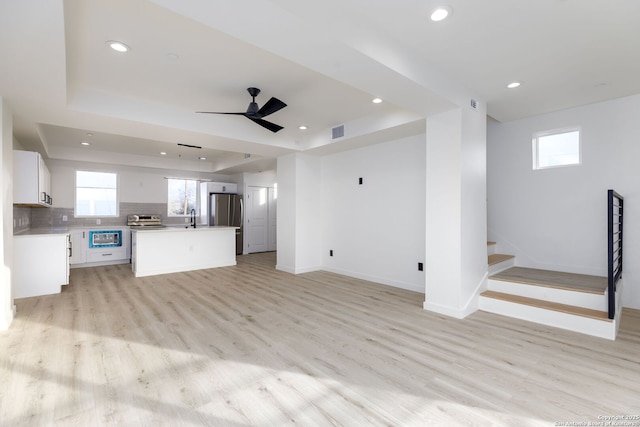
(615, 204)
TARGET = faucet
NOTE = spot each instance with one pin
(193, 218)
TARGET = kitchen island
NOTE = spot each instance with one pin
(176, 249)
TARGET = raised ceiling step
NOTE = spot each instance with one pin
(564, 316)
(499, 262)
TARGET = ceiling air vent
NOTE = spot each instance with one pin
(337, 132)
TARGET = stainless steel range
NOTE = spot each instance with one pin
(145, 221)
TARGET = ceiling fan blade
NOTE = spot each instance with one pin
(265, 124)
(215, 112)
(272, 105)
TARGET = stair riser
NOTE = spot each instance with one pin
(491, 249)
(501, 266)
(578, 299)
(584, 325)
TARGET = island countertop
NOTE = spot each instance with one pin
(174, 228)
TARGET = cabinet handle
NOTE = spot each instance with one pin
(107, 254)
(44, 197)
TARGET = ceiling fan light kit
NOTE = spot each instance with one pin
(255, 113)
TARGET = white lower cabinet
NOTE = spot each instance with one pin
(78, 247)
(40, 264)
(85, 254)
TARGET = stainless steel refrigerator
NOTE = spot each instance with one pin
(227, 209)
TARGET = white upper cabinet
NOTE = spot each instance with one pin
(222, 187)
(31, 180)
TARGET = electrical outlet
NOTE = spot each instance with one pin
(330, 252)
(420, 266)
(98, 221)
(186, 220)
(64, 218)
(359, 181)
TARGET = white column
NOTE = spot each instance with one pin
(299, 223)
(6, 214)
(456, 256)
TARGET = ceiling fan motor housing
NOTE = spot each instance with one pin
(253, 108)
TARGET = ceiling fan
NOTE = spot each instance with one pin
(256, 114)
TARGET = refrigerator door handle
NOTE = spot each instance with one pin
(241, 213)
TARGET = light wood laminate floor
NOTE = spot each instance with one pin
(248, 345)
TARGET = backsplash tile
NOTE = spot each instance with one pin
(21, 219)
(54, 217)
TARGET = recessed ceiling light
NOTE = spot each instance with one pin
(376, 100)
(173, 56)
(89, 134)
(118, 46)
(202, 158)
(302, 127)
(440, 13)
(85, 143)
(163, 153)
(513, 85)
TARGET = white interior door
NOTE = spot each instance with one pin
(257, 211)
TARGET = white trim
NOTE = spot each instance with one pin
(472, 305)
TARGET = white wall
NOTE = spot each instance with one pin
(261, 179)
(286, 256)
(456, 228)
(557, 218)
(6, 214)
(298, 223)
(376, 230)
(136, 185)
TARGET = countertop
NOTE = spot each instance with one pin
(172, 228)
(66, 230)
(41, 231)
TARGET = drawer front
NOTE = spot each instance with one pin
(110, 254)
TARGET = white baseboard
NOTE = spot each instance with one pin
(383, 281)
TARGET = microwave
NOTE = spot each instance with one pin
(105, 238)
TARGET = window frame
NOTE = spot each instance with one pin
(197, 200)
(536, 149)
(75, 195)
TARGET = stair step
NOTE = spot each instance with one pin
(491, 248)
(553, 279)
(548, 305)
(498, 258)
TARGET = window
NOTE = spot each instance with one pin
(556, 148)
(182, 196)
(96, 194)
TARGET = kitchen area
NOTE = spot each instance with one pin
(50, 240)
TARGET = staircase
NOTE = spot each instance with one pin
(498, 262)
(574, 302)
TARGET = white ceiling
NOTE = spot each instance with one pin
(326, 60)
